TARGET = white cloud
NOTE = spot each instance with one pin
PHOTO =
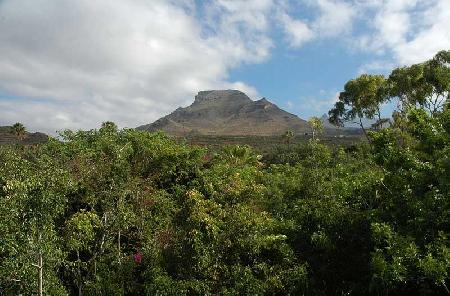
(336, 17)
(432, 36)
(78, 63)
(297, 32)
(241, 28)
(403, 31)
(408, 31)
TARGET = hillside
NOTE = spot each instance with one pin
(6, 137)
(229, 112)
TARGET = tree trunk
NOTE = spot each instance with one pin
(120, 261)
(363, 129)
(118, 247)
(40, 280)
(39, 265)
(446, 288)
(79, 274)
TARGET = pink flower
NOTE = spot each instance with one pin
(138, 257)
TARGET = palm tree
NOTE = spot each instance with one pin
(19, 130)
(238, 155)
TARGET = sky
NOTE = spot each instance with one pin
(73, 64)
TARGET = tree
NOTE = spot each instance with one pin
(424, 85)
(437, 73)
(413, 253)
(18, 129)
(362, 98)
(31, 203)
(80, 232)
(316, 126)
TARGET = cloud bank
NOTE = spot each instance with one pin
(74, 64)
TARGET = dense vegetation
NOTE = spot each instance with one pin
(266, 144)
(114, 212)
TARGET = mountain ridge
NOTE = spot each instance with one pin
(229, 112)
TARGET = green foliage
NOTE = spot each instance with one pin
(426, 85)
(316, 126)
(361, 98)
(80, 230)
(32, 192)
(124, 212)
(18, 129)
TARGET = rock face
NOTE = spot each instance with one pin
(229, 112)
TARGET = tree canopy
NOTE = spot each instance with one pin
(425, 85)
(116, 211)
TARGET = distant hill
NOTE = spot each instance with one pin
(229, 112)
(6, 137)
(331, 129)
(326, 123)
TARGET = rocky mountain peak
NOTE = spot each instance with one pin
(224, 95)
(228, 112)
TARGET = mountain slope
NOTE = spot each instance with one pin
(229, 112)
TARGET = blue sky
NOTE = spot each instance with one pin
(74, 64)
(303, 81)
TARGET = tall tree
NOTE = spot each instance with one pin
(362, 98)
(31, 203)
(316, 126)
(425, 85)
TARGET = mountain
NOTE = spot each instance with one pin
(326, 123)
(229, 112)
(6, 137)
